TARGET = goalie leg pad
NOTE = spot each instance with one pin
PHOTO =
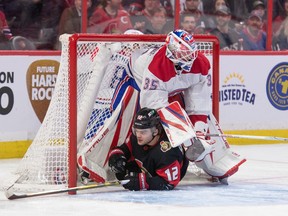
(222, 162)
(93, 156)
(223, 167)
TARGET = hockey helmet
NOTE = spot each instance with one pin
(181, 48)
(146, 118)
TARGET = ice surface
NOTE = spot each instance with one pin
(259, 188)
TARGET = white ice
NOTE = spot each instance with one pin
(259, 188)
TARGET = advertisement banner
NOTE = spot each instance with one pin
(26, 87)
(253, 92)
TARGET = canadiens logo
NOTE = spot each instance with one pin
(277, 86)
(165, 146)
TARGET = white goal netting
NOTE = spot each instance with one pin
(103, 74)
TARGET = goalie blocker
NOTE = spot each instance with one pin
(215, 156)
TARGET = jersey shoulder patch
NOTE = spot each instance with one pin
(165, 146)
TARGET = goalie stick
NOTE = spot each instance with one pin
(11, 196)
(249, 137)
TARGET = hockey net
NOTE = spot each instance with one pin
(91, 86)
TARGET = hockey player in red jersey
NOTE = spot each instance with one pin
(109, 18)
(147, 158)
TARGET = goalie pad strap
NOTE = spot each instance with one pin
(196, 118)
(199, 122)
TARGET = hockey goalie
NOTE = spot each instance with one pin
(172, 79)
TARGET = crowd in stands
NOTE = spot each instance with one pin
(238, 24)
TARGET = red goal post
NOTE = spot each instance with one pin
(75, 116)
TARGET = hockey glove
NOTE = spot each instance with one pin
(117, 163)
(137, 182)
(158, 183)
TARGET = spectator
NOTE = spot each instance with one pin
(250, 4)
(135, 8)
(277, 7)
(283, 13)
(136, 15)
(188, 23)
(4, 28)
(13, 10)
(158, 24)
(280, 40)
(70, 21)
(239, 9)
(39, 21)
(109, 17)
(254, 38)
(238, 27)
(149, 8)
(209, 6)
(5, 33)
(260, 7)
(220, 3)
(167, 5)
(142, 20)
(192, 7)
(211, 14)
(228, 37)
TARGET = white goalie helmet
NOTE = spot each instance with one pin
(181, 49)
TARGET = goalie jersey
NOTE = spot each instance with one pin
(160, 80)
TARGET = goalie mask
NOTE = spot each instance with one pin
(181, 49)
(146, 118)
